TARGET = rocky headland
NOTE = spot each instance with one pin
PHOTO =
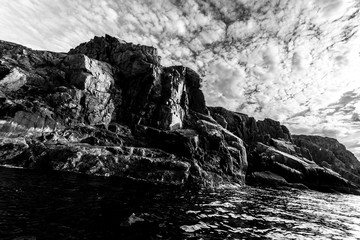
(110, 108)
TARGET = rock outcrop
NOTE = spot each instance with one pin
(275, 159)
(109, 108)
(329, 153)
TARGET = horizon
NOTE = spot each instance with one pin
(290, 61)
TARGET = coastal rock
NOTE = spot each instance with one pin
(224, 149)
(328, 152)
(248, 128)
(150, 94)
(13, 79)
(271, 148)
(95, 80)
(139, 163)
(274, 129)
(110, 108)
(131, 59)
(28, 123)
(219, 152)
(270, 179)
(297, 169)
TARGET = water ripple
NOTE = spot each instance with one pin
(72, 206)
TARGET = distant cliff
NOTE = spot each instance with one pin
(329, 153)
(108, 107)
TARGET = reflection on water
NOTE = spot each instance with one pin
(71, 206)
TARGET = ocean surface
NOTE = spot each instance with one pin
(57, 205)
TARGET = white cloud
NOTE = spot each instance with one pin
(332, 9)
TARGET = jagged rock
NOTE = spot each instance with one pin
(216, 149)
(25, 123)
(95, 79)
(223, 149)
(146, 164)
(151, 95)
(109, 108)
(184, 142)
(274, 129)
(77, 112)
(167, 103)
(240, 124)
(66, 102)
(21, 66)
(248, 128)
(13, 80)
(195, 95)
(271, 148)
(284, 146)
(270, 179)
(139, 76)
(328, 152)
(131, 59)
(12, 149)
(296, 169)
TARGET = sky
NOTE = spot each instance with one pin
(295, 61)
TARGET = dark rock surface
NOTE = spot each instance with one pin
(273, 154)
(328, 152)
(109, 108)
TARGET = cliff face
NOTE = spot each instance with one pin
(329, 153)
(109, 108)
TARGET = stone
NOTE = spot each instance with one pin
(27, 123)
(13, 81)
(132, 59)
(330, 153)
(95, 80)
(283, 146)
(248, 128)
(274, 129)
(152, 95)
(268, 179)
(295, 169)
(223, 147)
(109, 108)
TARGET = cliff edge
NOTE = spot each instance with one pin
(108, 107)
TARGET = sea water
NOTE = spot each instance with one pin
(60, 205)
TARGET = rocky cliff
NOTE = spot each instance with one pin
(108, 107)
(329, 153)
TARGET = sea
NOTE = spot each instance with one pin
(61, 205)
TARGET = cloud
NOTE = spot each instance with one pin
(355, 117)
(332, 8)
(294, 61)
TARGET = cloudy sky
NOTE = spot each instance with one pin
(296, 61)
